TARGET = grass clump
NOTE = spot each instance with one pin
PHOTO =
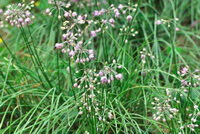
(72, 66)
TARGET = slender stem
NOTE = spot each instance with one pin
(58, 72)
(70, 72)
(30, 52)
(174, 37)
(39, 61)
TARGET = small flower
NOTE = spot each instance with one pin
(120, 6)
(72, 53)
(66, 14)
(59, 17)
(93, 34)
(195, 107)
(102, 11)
(96, 13)
(74, 14)
(47, 11)
(100, 73)
(158, 22)
(81, 19)
(63, 50)
(117, 14)
(27, 20)
(184, 83)
(110, 115)
(80, 113)
(64, 37)
(119, 76)
(104, 80)
(177, 29)
(129, 17)
(112, 21)
(184, 71)
(75, 85)
(59, 45)
(1, 11)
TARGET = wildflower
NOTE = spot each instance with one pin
(100, 118)
(164, 109)
(72, 53)
(119, 76)
(117, 14)
(63, 50)
(145, 54)
(96, 13)
(110, 115)
(104, 21)
(100, 73)
(1, 11)
(91, 95)
(80, 112)
(19, 15)
(112, 22)
(64, 37)
(75, 85)
(177, 29)
(183, 71)
(158, 22)
(195, 107)
(27, 20)
(129, 17)
(102, 11)
(74, 14)
(120, 6)
(81, 19)
(59, 17)
(184, 83)
(108, 72)
(104, 80)
(93, 34)
(59, 45)
(66, 14)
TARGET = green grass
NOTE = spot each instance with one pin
(36, 80)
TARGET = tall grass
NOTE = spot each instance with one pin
(153, 58)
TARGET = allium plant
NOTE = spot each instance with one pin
(73, 39)
(57, 5)
(172, 109)
(19, 14)
(166, 21)
(100, 66)
(109, 73)
(91, 98)
(179, 106)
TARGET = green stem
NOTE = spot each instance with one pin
(70, 72)
(35, 54)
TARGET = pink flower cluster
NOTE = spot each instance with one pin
(108, 73)
(99, 13)
(163, 108)
(20, 14)
(76, 51)
(105, 78)
(183, 71)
